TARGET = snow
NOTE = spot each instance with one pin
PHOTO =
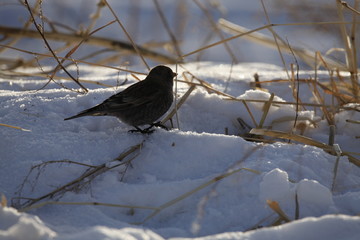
(22, 226)
(172, 163)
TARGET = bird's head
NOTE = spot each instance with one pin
(162, 73)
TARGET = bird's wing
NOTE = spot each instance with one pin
(132, 97)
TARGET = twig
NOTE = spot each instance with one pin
(73, 50)
(95, 41)
(338, 152)
(50, 49)
(331, 135)
(306, 55)
(225, 40)
(127, 34)
(88, 175)
(353, 121)
(276, 208)
(250, 113)
(26, 74)
(266, 109)
(216, 29)
(79, 61)
(206, 198)
(304, 140)
(292, 136)
(189, 193)
(345, 4)
(275, 36)
(15, 127)
(39, 205)
(297, 207)
(26, 26)
(297, 89)
(167, 27)
(350, 50)
(94, 17)
(62, 161)
(229, 77)
(178, 105)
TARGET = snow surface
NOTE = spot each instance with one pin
(171, 163)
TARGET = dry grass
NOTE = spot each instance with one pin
(343, 90)
(79, 183)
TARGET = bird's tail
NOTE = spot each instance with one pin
(94, 111)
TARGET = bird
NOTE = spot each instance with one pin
(141, 103)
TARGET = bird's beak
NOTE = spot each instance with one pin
(174, 74)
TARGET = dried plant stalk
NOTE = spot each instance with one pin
(181, 102)
(117, 45)
(88, 175)
(291, 136)
(189, 193)
(304, 140)
(127, 35)
(266, 109)
(15, 127)
(275, 206)
(41, 32)
(39, 205)
(306, 55)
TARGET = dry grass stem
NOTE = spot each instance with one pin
(40, 29)
(350, 49)
(175, 42)
(127, 35)
(25, 26)
(250, 113)
(260, 223)
(297, 207)
(291, 136)
(265, 110)
(116, 45)
(207, 86)
(191, 192)
(204, 200)
(304, 140)
(276, 37)
(94, 17)
(291, 118)
(353, 121)
(338, 152)
(228, 97)
(73, 50)
(331, 135)
(216, 29)
(55, 78)
(3, 202)
(179, 104)
(223, 41)
(345, 4)
(42, 204)
(306, 55)
(79, 182)
(276, 208)
(79, 61)
(15, 127)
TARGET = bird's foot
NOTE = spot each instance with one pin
(142, 131)
(148, 130)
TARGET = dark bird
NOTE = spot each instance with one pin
(140, 104)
